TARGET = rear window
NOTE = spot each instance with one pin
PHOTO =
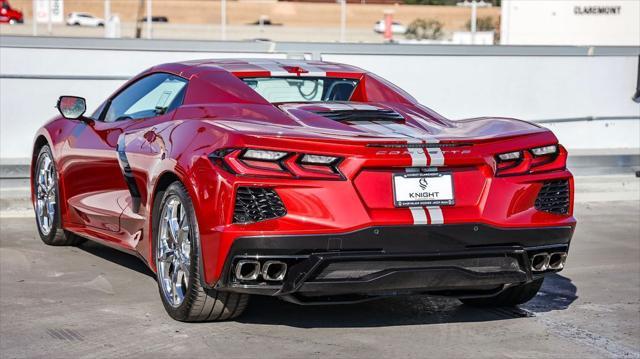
(302, 89)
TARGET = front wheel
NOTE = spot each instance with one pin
(45, 202)
(509, 297)
(176, 254)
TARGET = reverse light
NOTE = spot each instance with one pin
(546, 150)
(262, 155)
(318, 159)
(509, 156)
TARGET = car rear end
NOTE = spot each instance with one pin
(313, 221)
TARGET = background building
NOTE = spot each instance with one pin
(570, 22)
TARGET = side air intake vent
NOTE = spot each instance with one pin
(554, 197)
(361, 115)
(254, 204)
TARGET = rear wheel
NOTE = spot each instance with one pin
(45, 202)
(509, 297)
(176, 239)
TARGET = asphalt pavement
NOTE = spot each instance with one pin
(92, 301)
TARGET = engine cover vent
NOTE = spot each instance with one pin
(554, 197)
(255, 204)
(361, 115)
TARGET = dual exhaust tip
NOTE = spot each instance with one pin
(251, 270)
(541, 262)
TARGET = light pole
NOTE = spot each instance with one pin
(107, 16)
(473, 4)
(49, 19)
(149, 10)
(343, 20)
(474, 20)
(223, 20)
(35, 18)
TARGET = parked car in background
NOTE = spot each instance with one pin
(9, 15)
(396, 27)
(155, 19)
(84, 19)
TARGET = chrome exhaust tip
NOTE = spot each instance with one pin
(274, 270)
(556, 260)
(540, 262)
(247, 270)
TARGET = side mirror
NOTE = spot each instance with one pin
(71, 107)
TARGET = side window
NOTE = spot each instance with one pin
(150, 96)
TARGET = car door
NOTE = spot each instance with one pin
(93, 181)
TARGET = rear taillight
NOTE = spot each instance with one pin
(270, 163)
(534, 160)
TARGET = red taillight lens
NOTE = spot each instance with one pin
(535, 160)
(552, 162)
(267, 163)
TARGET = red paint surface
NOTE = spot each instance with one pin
(220, 111)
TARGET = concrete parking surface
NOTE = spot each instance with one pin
(93, 301)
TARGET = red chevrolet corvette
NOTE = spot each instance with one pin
(310, 181)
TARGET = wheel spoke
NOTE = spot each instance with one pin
(168, 256)
(39, 207)
(175, 284)
(174, 290)
(173, 251)
(173, 230)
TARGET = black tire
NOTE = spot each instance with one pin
(200, 304)
(56, 235)
(511, 296)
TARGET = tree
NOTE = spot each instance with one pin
(483, 24)
(421, 29)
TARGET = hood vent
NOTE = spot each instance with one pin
(361, 115)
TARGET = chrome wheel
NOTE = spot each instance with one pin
(173, 251)
(45, 193)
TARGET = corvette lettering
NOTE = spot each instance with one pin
(421, 151)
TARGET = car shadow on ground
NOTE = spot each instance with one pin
(113, 255)
(557, 293)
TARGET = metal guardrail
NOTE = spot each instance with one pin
(311, 47)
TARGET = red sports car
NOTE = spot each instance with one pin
(311, 181)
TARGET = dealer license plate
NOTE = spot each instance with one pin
(423, 189)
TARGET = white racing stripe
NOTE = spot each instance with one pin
(418, 155)
(419, 158)
(435, 213)
(364, 107)
(419, 215)
(312, 70)
(436, 156)
(313, 74)
(275, 69)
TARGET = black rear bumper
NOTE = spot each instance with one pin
(468, 260)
